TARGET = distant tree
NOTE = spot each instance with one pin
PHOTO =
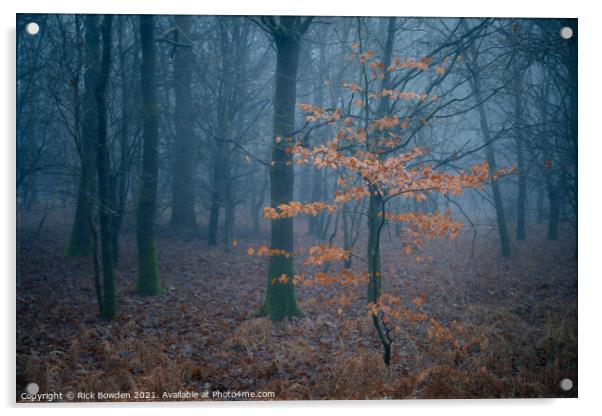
(183, 185)
(148, 277)
(488, 139)
(516, 73)
(232, 45)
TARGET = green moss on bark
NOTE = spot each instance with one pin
(147, 282)
(280, 301)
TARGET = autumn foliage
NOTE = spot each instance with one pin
(369, 152)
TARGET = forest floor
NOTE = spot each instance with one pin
(513, 323)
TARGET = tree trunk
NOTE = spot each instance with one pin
(316, 191)
(555, 193)
(217, 187)
(148, 278)
(220, 157)
(228, 203)
(347, 239)
(80, 243)
(314, 181)
(183, 193)
(280, 299)
(375, 225)
(495, 187)
(522, 192)
(376, 214)
(518, 140)
(540, 203)
(121, 177)
(102, 161)
(258, 203)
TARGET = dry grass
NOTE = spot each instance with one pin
(515, 322)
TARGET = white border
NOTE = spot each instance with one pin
(590, 202)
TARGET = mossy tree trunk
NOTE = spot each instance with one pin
(108, 308)
(80, 242)
(183, 193)
(148, 278)
(280, 299)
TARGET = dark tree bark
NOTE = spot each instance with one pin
(183, 192)
(108, 299)
(120, 177)
(148, 278)
(376, 212)
(280, 299)
(80, 243)
(540, 203)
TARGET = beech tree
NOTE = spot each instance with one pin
(368, 154)
(286, 32)
(108, 305)
(147, 282)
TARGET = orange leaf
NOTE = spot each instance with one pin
(418, 302)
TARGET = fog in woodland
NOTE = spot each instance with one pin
(275, 203)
